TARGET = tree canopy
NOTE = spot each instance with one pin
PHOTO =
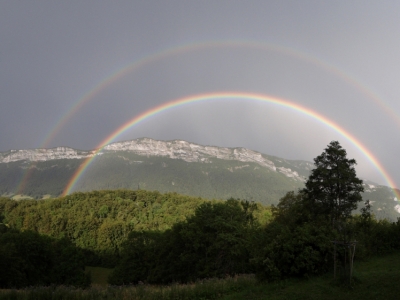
(214, 242)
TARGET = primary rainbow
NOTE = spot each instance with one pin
(230, 95)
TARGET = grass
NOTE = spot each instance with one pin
(206, 289)
(377, 278)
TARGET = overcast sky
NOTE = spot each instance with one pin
(339, 58)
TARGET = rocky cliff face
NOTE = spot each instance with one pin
(43, 154)
(148, 147)
(197, 153)
(189, 152)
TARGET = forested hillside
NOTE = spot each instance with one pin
(218, 179)
(101, 220)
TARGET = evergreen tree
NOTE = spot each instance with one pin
(333, 188)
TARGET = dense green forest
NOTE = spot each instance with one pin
(151, 237)
(100, 221)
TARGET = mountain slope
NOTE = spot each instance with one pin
(216, 179)
(168, 166)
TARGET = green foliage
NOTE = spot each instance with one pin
(293, 243)
(214, 242)
(27, 258)
(375, 237)
(298, 242)
(138, 258)
(216, 238)
(99, 221)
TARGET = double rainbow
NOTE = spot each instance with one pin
(200, 46)
(230, 95)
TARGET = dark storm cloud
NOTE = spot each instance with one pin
(53, 53)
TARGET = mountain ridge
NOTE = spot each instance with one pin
(168, 166)
(175, 149)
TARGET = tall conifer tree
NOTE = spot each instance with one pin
(333, 187)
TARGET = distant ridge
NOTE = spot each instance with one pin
(169, 166)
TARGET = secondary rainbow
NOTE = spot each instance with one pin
(230, 95)
(186, 48)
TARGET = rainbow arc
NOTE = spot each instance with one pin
(231, 95)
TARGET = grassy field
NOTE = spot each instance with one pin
(377, 278)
